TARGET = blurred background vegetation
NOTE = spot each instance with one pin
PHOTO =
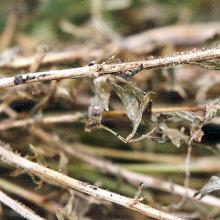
(66, 24)
(42, 19)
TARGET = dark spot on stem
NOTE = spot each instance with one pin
(19, 80)
(43, 75)
(30, 77)
(94, 187)
(92, 63)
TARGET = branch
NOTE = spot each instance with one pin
(58, 178)
(74, 117)
(125, 69)
(49, 119)
(104, 165)
(137, 178)
(63, 57)
(28, 195)
(18, 207)
(177, 35)
(132, 177)
(121, 113)
(8, 34)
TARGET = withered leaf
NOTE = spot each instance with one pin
(212, 185)
(102, 90)
(196, 130)
(196, 134)
(95, 112)
(174, 135)
(135, 102)
(100, 101)
(210, 113)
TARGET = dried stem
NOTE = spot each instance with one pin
(50, 119)
(130, 155)
(9, 31)
(120, 68)
(118, 113)
(18, 207)
(58, 178)
(177, 35)
(190, 34)
(137, 178)
(74, 117)
(132, 177)
(187, 167)
(37, 199)
(56, 57)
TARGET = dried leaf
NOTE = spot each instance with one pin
(174, 135)
(135, 102)
(102, 90)
(196, 130)
(210, 113)
(197, 121)
(196, 134)
(100, 101)
(212, 185)
(190, 117)
(95, 112)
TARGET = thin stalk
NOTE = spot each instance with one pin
(37, 199)
(126, 69)
(18, 207)
(74, 117)
(177, 35)
(65, 181)
(132, 177)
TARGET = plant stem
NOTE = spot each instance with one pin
(37, 199)
(18, 207)
(177, 35)
(132, 177)
(65, 181)
(49, 119)
(74, 117)
(114, 68)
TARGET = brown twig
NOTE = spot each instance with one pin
(118, 69)
(118, 113)
(177, 35)
(9, 31)
(58, 178)
(18, 207)
(131, 155)
(51, 58)
(136, 178)
(132, 177)
(50, 119)
(74, 117)
(190, 34)
(37, 199)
